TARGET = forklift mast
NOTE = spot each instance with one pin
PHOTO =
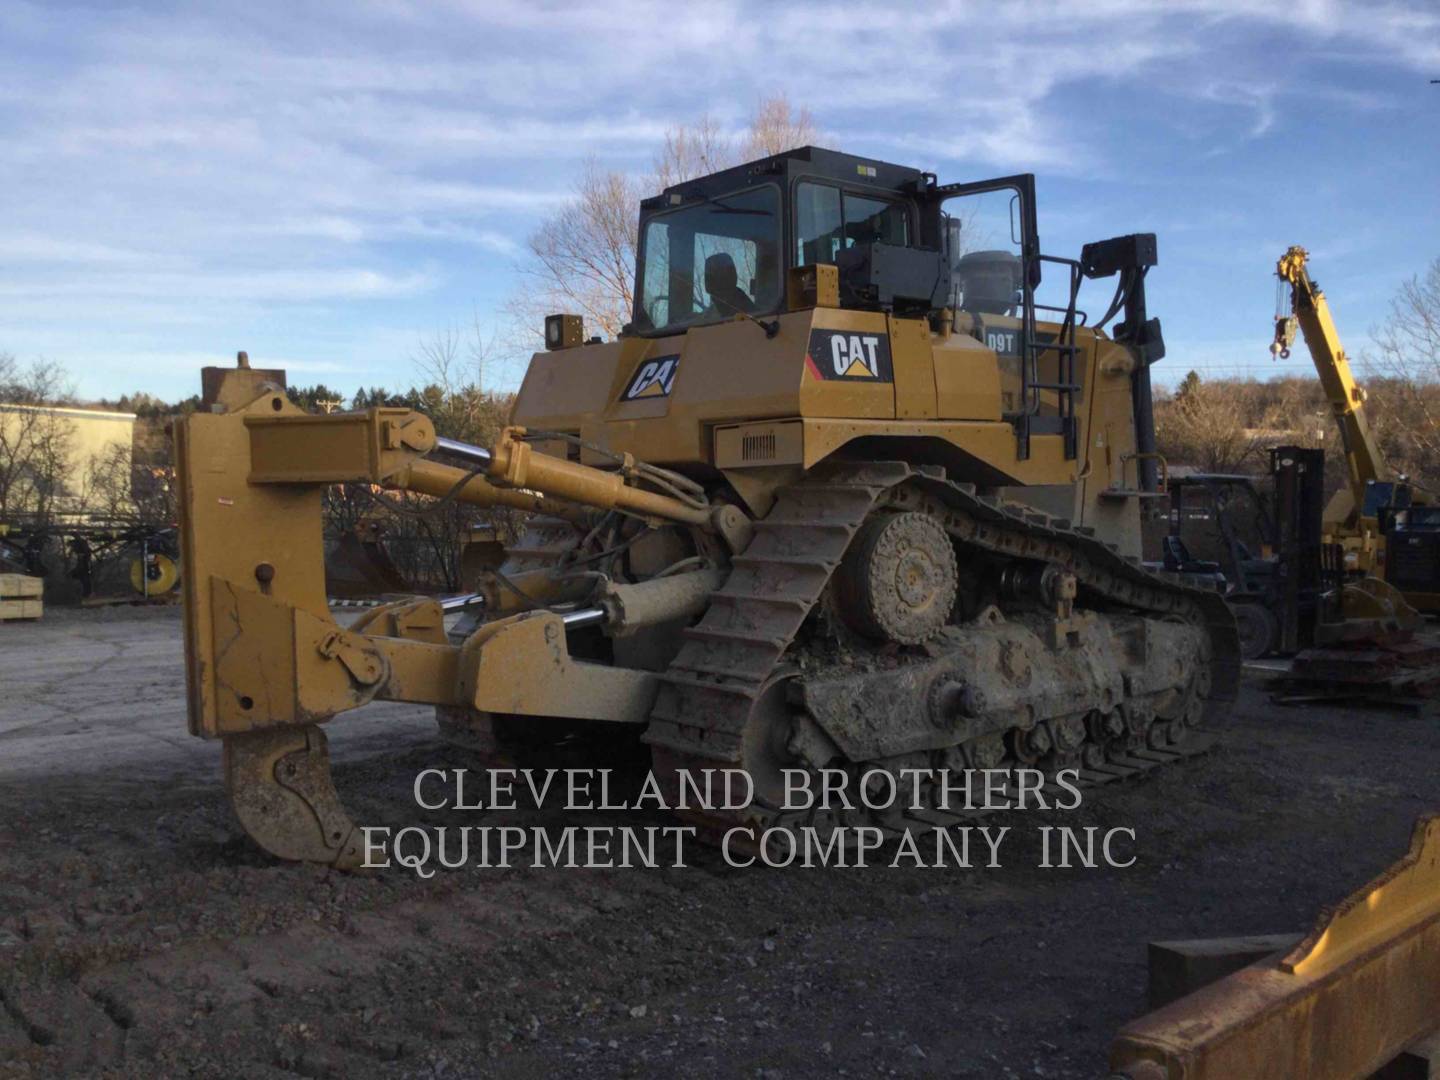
(1299, 475)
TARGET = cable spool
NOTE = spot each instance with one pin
(155, 574)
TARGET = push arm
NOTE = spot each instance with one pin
(262, 648)
(266, 664)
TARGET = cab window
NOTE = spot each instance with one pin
(710, 261)
(828, 220)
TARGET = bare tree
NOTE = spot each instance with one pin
(692, 150)
(704, 147)
(776, 127)
(425, 539)
(452, 364)
(34, 440)
(457, 357)
(107, 487)
(583, 257)
(1223, 426)
(1407, 354)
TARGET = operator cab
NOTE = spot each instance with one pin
(721, 245)
(963, 256)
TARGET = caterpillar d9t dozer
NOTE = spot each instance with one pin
(842, 495)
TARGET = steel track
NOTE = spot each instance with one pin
(708, 691)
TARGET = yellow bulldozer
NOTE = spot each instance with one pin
(844, 494)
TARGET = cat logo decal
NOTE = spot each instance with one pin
(841, 354)
(653, 378)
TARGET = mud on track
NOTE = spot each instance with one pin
(142, 935)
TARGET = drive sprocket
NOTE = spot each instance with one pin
(897, 581)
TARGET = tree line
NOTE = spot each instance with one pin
(1226, 425)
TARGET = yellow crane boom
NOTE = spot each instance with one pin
(1309, 310)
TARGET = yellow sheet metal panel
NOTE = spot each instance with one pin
(672, 400)
(967, 380)
(238, 532)
(560, 387)
(522, 666)
(914, 361)
(739, 446)
(289, 446)
(667, 392)
(980, 452)
(848, 368)
(645, 379)
(999, 334)
(727, 373)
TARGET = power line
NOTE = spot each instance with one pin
(1257, 368)
(1235, 365)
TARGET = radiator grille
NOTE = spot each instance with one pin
(758, 447)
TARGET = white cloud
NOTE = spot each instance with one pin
(36, 247)
(271, 156)
(1257, 99)
(282, 286)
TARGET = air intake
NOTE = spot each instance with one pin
(758, 447)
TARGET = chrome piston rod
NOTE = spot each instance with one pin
(625, 608)
(573, 620)
(455, 603)
(470, 452)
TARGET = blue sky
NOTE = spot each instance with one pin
(326, 185)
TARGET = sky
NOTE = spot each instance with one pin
(327, 186)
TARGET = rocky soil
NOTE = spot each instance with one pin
(142, 934)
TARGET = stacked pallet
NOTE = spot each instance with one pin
(1385, 674)
(20, 597)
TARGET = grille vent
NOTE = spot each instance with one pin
(758, 447)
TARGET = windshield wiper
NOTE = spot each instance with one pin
(771, 328)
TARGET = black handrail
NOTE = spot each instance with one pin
(1029, 420)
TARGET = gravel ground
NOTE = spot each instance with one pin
(141, 933)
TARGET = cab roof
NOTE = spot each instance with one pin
(811, 161)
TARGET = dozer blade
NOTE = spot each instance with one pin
(279, 784)
(1363, 986)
